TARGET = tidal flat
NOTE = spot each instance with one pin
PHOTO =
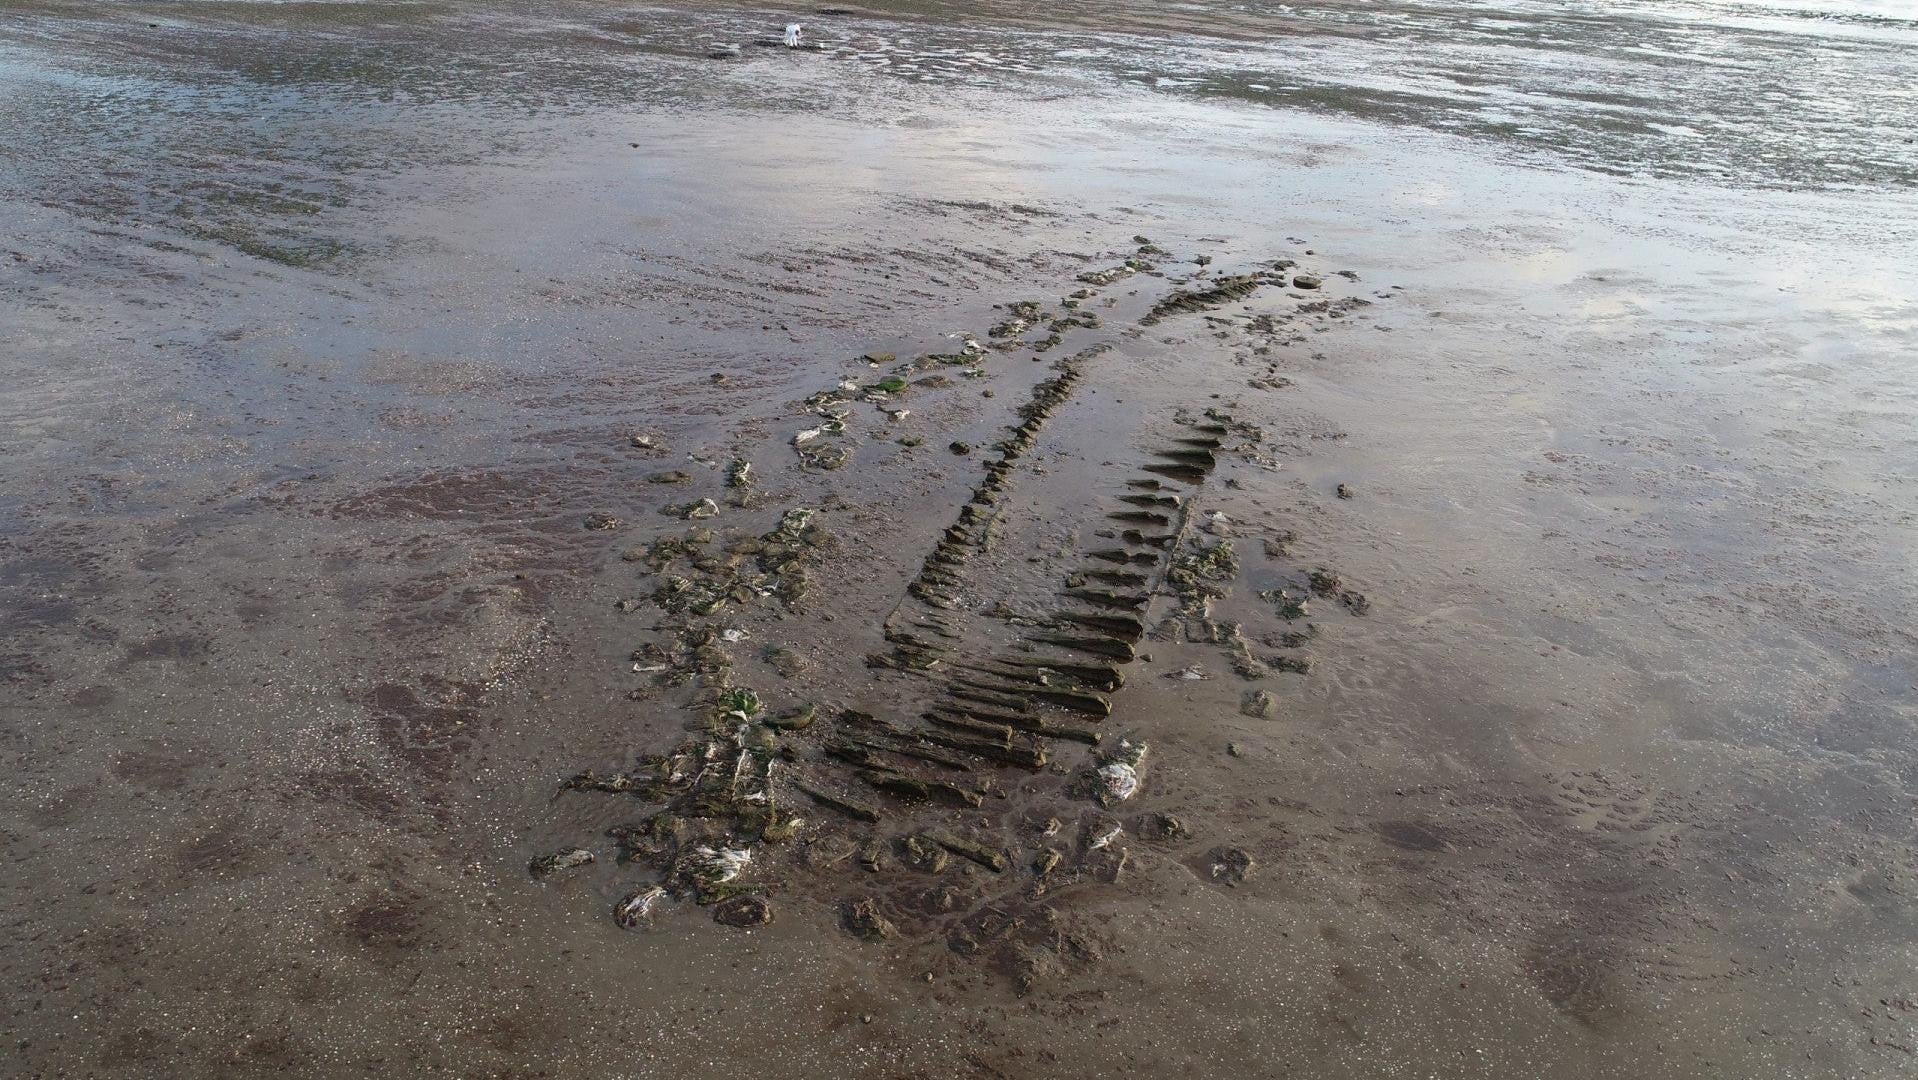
(1210, 539)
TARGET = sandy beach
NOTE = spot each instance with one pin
(1190, 540)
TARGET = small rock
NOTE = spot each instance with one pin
(1345, 491)
(1230, 865)
(1306, 281)
(601, 521)
(743, 911)
(1259, 704)
(864, 919)
(1291, 639)
(924, 855)
(1159, 827)
(649, 442)
(564, 859)
(1234, 749)
(961, 447)
(636, 908)
(786, 662)
(670, 476)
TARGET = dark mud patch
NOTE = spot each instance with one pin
(1594, 907)
(23, 670)
(425, 729)
(256, 609)
(225, 847)
(39, 592)
(386, 923)
(64, 808)
(351, 789)
(280, 1052)
(154, 770)
(1577, 971)
(1416, 835)
(449, 551)
(519, 1030)
(93, 697)
(133, 1047)
(29, 613)
(178, 648)
(477, 496)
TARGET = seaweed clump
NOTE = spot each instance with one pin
(748, 568)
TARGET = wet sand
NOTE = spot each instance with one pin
(1523, 658)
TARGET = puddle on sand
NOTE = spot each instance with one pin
(1523, 676)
